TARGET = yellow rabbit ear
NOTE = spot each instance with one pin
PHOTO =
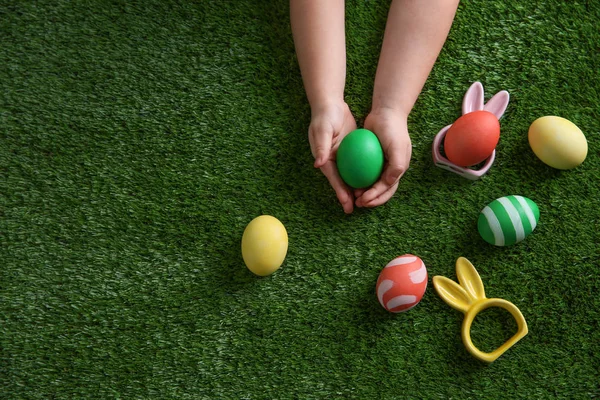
(469, 279)
(450, 291)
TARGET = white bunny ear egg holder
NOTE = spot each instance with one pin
(473, 101)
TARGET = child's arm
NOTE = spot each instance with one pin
(415, 33)
(319, 37)
(318, 30)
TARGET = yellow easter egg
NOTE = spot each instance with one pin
(558, 142)
(264, 245)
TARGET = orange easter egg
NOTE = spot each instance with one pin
(402, 283)
(472, 138)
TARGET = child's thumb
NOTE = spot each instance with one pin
(393, 173)
(322, 149)
(395, 169)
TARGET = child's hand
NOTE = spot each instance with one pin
(328, 126)
(391, 128)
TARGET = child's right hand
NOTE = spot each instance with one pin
(391, 128)
(329, 125)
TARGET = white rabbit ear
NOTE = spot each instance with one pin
(451, 292)
(473, 100)
(497, 104)
(469, 279)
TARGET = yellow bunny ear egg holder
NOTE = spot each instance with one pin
(469, 298)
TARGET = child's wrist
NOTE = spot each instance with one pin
(325, 105)
(394, 110)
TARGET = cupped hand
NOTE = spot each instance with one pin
(329, 125)
(390, 126)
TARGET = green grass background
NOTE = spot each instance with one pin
(139, 138)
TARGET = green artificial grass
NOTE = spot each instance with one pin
(138, 139)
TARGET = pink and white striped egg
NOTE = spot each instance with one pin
(402, 283)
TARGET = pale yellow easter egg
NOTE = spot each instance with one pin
(264, 245)
(558, 142)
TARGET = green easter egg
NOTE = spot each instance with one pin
(508, 220)
(360, 159)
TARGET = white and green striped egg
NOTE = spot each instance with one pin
(508, 220)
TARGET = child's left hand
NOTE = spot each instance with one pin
(390, 126)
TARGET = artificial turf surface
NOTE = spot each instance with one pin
(138, 139)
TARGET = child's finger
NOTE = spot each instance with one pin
(398, 160)
(383, 197)
(367, 199)
(320, 141)
(359, 192)
(394, 170)
(375, 191)
(342, 191)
